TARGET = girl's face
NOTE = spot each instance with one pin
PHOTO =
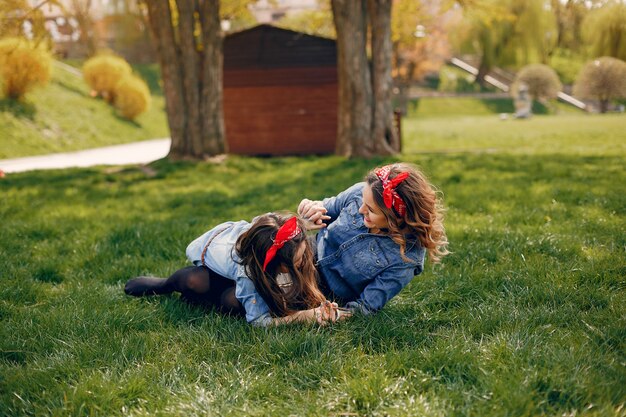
(298, 259)
(373, 216)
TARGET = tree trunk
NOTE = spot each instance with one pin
(604, 105)
(212, 77)
(354, 132)
(385, 139)
(192, 80)
(82, 14)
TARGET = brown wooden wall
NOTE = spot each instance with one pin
(281, 111)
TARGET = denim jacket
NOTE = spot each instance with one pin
(223, 259)
(363, 269)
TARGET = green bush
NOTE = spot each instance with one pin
(603, 79)
(542, 82)
(132, 96)
(566, 65)
(23, 66)
(103, 72)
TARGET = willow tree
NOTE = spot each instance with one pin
(188, 40)
(508, 32)
(365, 122)
(604, 30)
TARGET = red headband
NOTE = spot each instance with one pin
(390, 195)
(287, 231)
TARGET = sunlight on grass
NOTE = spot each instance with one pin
(525, 317)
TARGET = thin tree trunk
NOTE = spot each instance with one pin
(354, 135)
(161, 24)
(189, 66)
(385, 139)
(211, 75)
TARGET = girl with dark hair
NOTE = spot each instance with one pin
(263, 270)
(374, 236)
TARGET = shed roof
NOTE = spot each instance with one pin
(267, 46)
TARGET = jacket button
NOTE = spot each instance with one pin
(254, 301)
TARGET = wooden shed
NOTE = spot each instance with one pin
(280, 92)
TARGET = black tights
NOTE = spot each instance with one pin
(196, 284)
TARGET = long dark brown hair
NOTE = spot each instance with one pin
(252, 247)
(424, 211)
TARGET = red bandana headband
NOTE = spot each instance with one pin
(287, 231)
(390, 195)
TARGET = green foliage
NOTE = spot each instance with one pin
(567, 65)
(525, 318)
(542, 82)
(23, 66)
(132, 96)
(603, 79)
(454, 80)
(314, 22)
(103, 72)
(604, 30)
(237, 13)
(499, 32)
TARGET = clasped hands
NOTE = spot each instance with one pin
(330, 312)
(314, 212)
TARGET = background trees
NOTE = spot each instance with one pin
(604, 30)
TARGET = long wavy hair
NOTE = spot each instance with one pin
(424, 211)
(252, 246)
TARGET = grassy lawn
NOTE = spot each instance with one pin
(525, 318)
(62, 117)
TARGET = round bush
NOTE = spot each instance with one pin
(23, 66)
(103, 72)
(132, 96)
(602, 79)
(541, 80)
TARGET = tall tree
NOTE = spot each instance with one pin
(188, 40)
(509, 32)
(365, 112)
(605, 30)
(81, 11)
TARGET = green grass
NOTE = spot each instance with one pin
(577, 134)
(62, 117)
(526, 317)
(470, 106)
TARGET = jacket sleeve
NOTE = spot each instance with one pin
(335, 204)
(257, 310)
(383, 288)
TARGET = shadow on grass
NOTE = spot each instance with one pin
(18, 108)
(71, 88)
(123, 119)
(151, 74)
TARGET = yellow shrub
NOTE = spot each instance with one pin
(23, 65)
(103, 72)
(132, 96)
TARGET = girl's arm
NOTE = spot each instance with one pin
(382, 289)
(329, 208)
(325, 313)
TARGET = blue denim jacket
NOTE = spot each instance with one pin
(363, 269)
(223, 259)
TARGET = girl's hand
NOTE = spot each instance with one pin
(326, 312)
(314, 212)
